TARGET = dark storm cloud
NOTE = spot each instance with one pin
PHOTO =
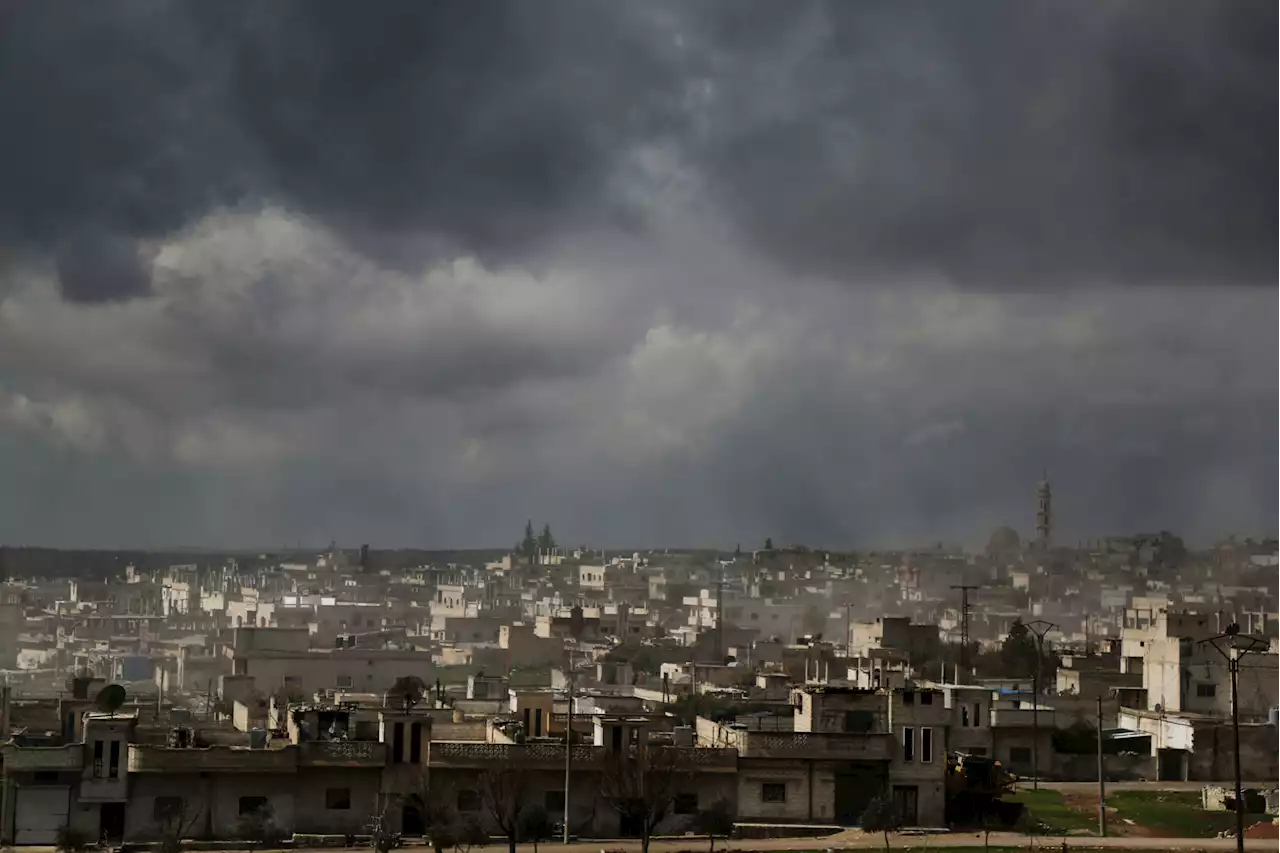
(486, 125)
(415, 271)
(1001, 143)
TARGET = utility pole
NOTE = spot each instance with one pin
(1102, 780)
(848, 633)
(1039, 628)
(964, 630)
(1237, 646)
(568, 744)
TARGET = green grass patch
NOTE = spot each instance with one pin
(1173, 814)
(1051, 814)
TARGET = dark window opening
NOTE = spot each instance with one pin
(773, 792)
(397, 743)
(251, 805)
(113, 765)
(337, 798)
(97, 759)
(415, 743)
(859, 722)
(908, 697)
(908, 744)
(685, 804)
(926, 698)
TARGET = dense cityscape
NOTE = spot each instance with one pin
(342, 695)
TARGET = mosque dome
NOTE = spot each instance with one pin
(1003, 540)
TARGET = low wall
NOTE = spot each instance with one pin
(1119, 768)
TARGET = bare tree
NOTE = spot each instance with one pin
(174, 823)
(381, 839)
(713, 821)
(641, 783)
(882, 816)
(506, 792)
(259, 828)
(536, 825)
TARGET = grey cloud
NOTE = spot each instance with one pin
(480, 128)
(655, 272)
(100, 268)
(1001, 144)
(1006, 145)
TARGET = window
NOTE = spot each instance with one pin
(685, 804)
(908, 743)
(113, 765)
(1206, 691)
(964, 716)
(1020, 755)
(345, 682)
(338, 799)
(251, 805)
(773, 792)
(44, 777)
(926, 698)
(397, 743)
(977, 714)
(415, 743)
(908, 697)
(859, 722)
(167, 808)
(97, 759)
(926, 744)
(468, 801)
(553, 802)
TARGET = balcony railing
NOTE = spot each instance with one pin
(34, 758)
(1045, 718)
(552, 755)
(868, 747)
(163, 759)
(343, 753)
(456, 753)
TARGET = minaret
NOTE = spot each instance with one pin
(1044, 513)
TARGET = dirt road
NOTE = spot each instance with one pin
(857, 840)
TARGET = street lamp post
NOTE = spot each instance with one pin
(1232, 645)
(1038, 627)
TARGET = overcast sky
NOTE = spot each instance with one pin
(850, 274)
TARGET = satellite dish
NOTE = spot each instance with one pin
(409, 689)
(110, 699)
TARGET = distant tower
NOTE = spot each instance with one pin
(1044, 513)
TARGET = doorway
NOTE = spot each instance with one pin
(111, 821)
(411, 820)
